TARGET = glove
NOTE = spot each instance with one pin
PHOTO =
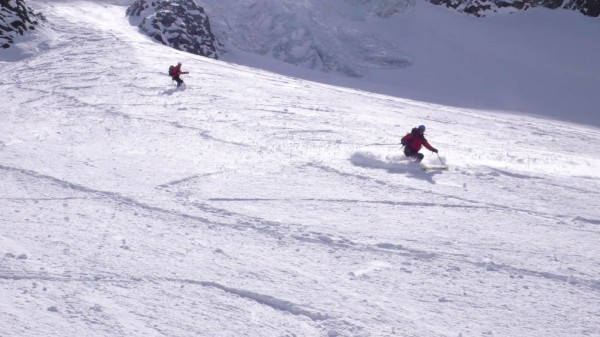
(434, 150)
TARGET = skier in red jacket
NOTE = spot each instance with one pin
(175, 72)
(413, 141)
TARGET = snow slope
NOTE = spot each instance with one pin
(251, 204)
(536, 62)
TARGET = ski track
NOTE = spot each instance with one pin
(462, 201)
(272, 229)
(267, 300)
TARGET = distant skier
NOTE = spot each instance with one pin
(413, 141)
(175, 73)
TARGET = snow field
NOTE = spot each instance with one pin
(250, 204)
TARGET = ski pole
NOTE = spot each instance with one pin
(384, 144)
(439, 158)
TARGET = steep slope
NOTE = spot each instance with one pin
(315, 34)
(251, 204)
(537, 62)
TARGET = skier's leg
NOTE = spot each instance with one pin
(419, 157)
(410, 152)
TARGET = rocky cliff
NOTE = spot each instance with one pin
(16, 18)
(181, 24)
(483, 7)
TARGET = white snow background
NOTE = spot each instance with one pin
(251, 203)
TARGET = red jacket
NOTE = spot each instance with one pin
(415, 140)
(177, 71)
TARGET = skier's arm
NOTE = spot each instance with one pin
(429, 147)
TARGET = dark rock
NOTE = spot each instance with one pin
(481, 7)
(16, 18)
(181, 24)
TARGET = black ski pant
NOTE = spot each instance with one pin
(178, 80)
(412, 153)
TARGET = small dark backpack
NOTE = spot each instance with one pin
(414, 133)
(171, 71)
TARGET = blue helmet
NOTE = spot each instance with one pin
(421, 128)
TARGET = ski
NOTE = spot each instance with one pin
(435, 168)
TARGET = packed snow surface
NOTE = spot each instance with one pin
(253, 204)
